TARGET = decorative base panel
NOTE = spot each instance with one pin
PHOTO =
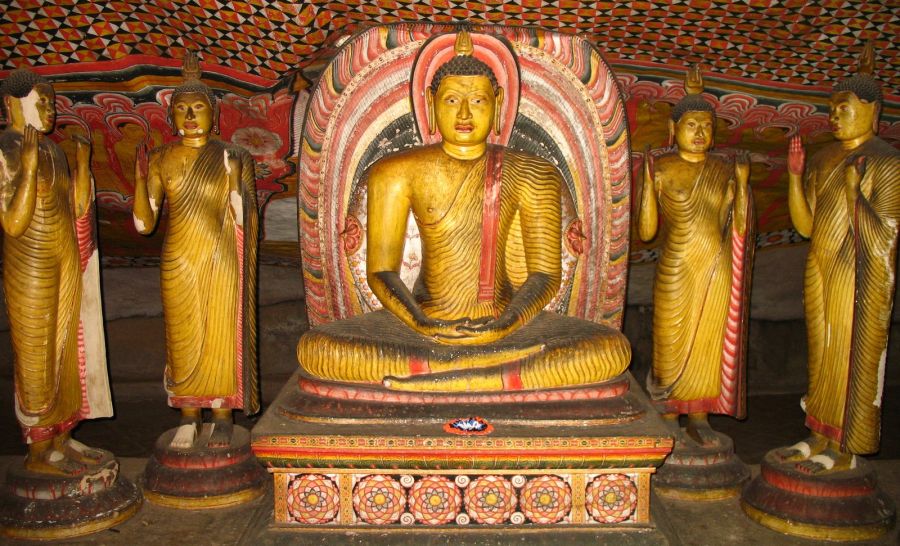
(200, 478)
(382, 498)
(45, 507)
(569, 463)
(839, 506)
(698, 472)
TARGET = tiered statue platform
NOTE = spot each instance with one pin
(847, 505)
(349, 458)
(702, 472)
(47, 507)
(203, 477)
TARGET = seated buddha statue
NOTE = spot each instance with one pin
(474, 320)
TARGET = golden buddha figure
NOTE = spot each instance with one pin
(208, 264)
(51, 282)
(474, 320)
(702, 277)
(847, 201)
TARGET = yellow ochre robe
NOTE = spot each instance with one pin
(700, 296)
(848, 292)
(208, 281)
(51, 285)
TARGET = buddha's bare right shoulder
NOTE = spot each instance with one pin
(401, 167)
(163, 151)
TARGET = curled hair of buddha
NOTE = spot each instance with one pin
(693, 100)
(20, 82)
(863, 84)
(463, 64)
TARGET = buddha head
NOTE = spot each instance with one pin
(464, 99)
(193, 110)
(693, 120)
(855, 102)
(28, 99)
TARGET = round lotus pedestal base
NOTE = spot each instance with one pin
(844, 505)
(47, 507)
(701, 472)
(203, 477)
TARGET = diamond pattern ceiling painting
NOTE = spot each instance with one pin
(792, 41)
(769, 66)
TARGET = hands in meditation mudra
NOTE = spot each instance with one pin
(489, 219)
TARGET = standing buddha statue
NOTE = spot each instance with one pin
(51, 283)
(208, 266)
(48, 258)
(702, 277)
(700, 295)
(847, 201)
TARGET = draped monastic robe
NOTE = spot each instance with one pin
(51, 285)
(848, 291)
(550, 351)
(208, 280)
(700, 294)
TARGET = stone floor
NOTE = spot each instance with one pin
(136, 352)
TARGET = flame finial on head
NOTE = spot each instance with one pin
(867, 59)
(190, 68)
(463, 44)
(693, 80)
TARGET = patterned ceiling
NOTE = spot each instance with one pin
(789, 41)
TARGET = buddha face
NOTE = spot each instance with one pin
(850, 117)
(192, 115)
(464, 109)
(694, 132)
(37, 108)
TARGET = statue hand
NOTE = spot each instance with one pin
(233, 164)
(30, 139)
(483, 330)
(82, 150)
(742, 168)
(441, 329)
(855, 171)
(796, 156)
(141, 163)
(648, 169)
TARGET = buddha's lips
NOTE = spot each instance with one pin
(190, 125)
(464, 128)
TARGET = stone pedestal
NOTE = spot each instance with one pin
(203, 477)
(701, 472)
(363, 458)
(844, 505)
(47, 507)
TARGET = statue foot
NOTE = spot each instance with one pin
(699, 431)
(77, 451)
(671, 421)
(802, 451)
(185, 436)
(221, 433)
(826, 462)
(467, 381)
(54, 462)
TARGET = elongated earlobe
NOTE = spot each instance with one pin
(671, 134)
(498, 107)
(429, 110)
